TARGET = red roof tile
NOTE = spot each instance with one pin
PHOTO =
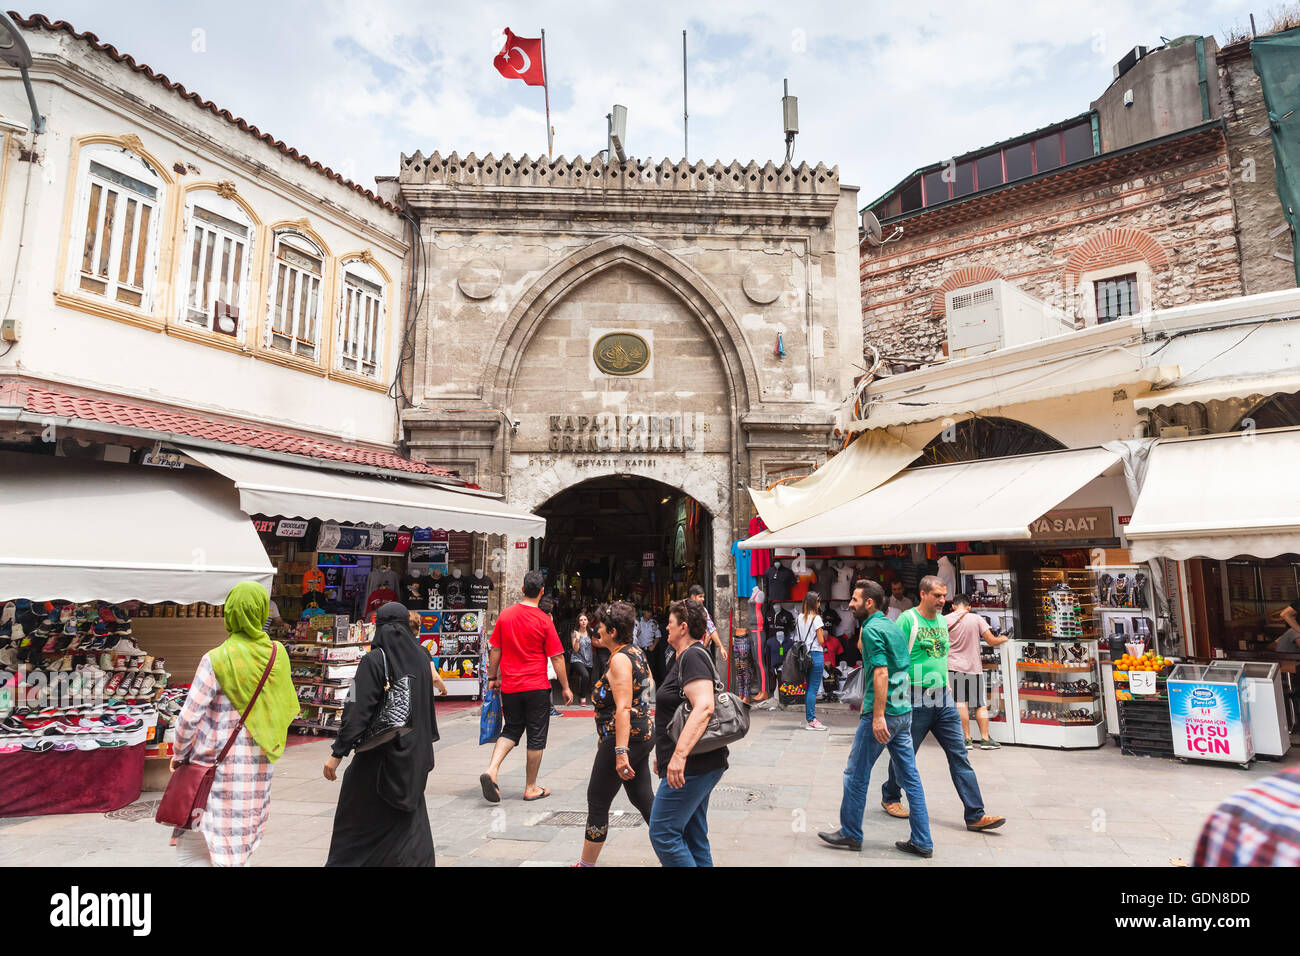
(42, 22)
(43, 401)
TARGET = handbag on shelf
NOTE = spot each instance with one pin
(392, 718)
(186, 797)
(730, 719)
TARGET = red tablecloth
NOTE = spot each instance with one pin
(76, 781)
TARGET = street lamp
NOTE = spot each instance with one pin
(14, 51)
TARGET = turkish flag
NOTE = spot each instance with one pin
(521, 59)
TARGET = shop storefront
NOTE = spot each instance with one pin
(1036, 542)
(112, 578)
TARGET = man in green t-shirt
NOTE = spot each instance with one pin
(886, 724)
(933, 708)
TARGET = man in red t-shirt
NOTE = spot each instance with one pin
(522, 640)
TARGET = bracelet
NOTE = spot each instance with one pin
(620, 750)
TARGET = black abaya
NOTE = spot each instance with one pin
(381, 819)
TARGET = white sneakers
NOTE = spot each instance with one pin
(815, 725)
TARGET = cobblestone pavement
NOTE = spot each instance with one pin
(1074, 808)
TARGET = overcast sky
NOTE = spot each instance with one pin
(883, 88)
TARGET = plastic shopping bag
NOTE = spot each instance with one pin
(854, 687)
(489, 718)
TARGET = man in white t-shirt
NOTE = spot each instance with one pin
(898, 601)
(966, 672)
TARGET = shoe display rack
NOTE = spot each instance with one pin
(454, 640)
(72, 677)
(323, 671)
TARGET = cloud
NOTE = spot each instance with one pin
(883, 88)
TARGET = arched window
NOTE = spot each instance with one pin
(978, 439)
(214, 266)
(294, 307)
(361, 321)
(115, 245)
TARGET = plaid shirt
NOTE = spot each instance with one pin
(241, 790)
(1258, 826)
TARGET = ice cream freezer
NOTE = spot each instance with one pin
(1209, 712)
(1268, 717)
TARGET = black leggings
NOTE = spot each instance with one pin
(580, 678)
(605, 782)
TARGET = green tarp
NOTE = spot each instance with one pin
(1277, 61)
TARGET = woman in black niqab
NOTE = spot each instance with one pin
(381, 818)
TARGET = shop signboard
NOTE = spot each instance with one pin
(1073, 525)
(647, 559)
(1209, 714)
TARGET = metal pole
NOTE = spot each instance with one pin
(546, 89)
(686, 140)
(609, 142)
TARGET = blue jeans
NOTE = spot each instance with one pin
(814, 685)
(679, 821)
(941, 719)
(866, 748)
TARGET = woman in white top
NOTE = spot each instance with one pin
(811, 633)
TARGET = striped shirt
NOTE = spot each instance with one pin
(241, 790)
(1258, 826)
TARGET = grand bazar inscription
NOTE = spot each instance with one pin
(606, 431)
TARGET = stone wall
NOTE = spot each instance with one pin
(1264, 234)
(1176, 217)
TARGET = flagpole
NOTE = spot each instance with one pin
(546, 89)
(686, 141)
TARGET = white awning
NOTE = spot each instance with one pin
(1220, 496)
(94, 531)
(992, 500)
(295, 491)
(871, 460)
(1221, 389)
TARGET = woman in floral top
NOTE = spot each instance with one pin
(623, 725)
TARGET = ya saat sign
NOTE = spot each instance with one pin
(607, 431)
(1080, 524)
(1209, 721)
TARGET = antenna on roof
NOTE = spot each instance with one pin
(872, 232)
(790, 115)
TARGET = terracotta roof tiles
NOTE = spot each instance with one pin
(44, 401)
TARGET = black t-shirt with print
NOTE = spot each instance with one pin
(668, 697)
(413, 592)
(456, 592)
(479, 588)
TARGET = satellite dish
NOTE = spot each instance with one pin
(871, 228)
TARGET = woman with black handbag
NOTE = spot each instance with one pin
(679, 825)
(381, 818)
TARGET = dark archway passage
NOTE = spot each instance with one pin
(624, 538)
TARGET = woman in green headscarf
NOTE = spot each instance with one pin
(223, 685)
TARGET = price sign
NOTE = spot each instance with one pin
(1142, 682)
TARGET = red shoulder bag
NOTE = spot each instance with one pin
(186, 796)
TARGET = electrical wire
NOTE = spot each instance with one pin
(22, 231)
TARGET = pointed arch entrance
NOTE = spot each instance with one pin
(623, 537)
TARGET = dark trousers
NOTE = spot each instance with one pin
(605, 781)
(579, 679)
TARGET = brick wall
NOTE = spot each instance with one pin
(1254, 186)
(1177, 217)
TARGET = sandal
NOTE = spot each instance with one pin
(491, 792)
(541, 796)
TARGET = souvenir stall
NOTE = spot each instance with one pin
(84, 701)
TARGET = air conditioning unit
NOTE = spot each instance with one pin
(996, 315)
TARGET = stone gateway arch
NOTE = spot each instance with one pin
(579, 321)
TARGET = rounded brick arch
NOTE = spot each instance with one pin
(1114, 247)
(969, 275)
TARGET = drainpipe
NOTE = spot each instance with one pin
(1202, 80)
